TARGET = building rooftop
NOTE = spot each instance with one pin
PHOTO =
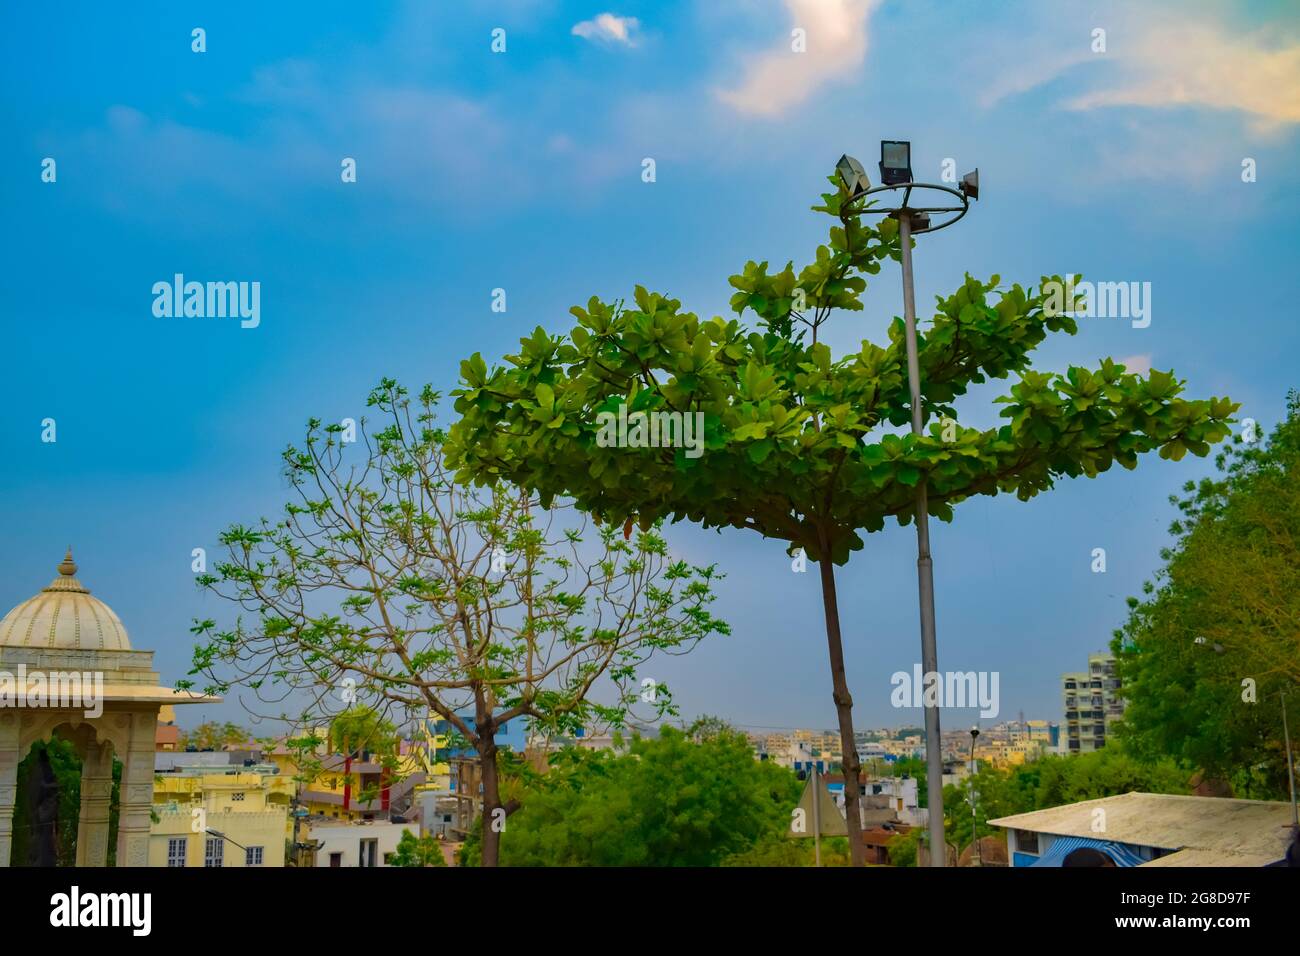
(1203, 831)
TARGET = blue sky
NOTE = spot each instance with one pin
(522, 170)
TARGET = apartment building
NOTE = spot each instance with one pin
(1092, 704)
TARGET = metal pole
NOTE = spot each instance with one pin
(817, 816)
(924, 566)
(974, 817)
(1290, 767)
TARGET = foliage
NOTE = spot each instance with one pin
(781, 851)
(415, 851)
(66, 764)
(707, 726)
(798, 442)
(1221, 611)
(388, 586)
(669, 801)
(903, 848)
(213, 735)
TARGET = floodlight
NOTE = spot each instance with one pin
(852, 175)
(895, 162)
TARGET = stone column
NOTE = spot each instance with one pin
(9, 758)
(96, 798)
(136, 791)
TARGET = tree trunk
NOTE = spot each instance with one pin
(843, 705)
(493, 822)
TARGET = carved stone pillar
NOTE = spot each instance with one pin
(96, 798)
(9, 758)
(136, 791)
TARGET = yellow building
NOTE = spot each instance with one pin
(204, 817)
(333, 787)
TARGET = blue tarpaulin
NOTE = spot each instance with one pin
(1063, 846)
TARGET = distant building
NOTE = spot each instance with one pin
(1092, 703)
(167, 736)
(206, 816)
(1151, 829)
(343, 843)
(338, 782)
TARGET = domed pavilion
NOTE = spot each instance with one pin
(68, 669)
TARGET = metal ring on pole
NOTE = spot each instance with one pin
(959, 210)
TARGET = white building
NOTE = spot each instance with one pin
(340, 843)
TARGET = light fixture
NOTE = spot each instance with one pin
(895, 162)
(970, 184)
(852, 175)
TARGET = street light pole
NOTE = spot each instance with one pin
(924, 564)
(896, 173)
(974, 817)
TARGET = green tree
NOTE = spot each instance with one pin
(386, 585)
(707, 726)
(1222, 611)
(669, 801)
(903, 848)
(800, 445)
(213, 735)
(417, 851)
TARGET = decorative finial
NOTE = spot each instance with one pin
(68, 567)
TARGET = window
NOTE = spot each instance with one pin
(237, 797)
(176, 851)
(336, 859)
(214, 851)
(253, 856)
(1026, 841)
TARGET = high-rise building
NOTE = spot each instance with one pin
(1092, 703)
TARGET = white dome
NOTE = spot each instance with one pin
(64, 616)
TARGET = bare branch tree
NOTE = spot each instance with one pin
(388, 585)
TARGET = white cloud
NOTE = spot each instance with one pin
(775, 81)
(1203, 64)
(610, 28)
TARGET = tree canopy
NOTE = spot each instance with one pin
(413, 851)
(667, 801)
(1205, 653)
(797, 439)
